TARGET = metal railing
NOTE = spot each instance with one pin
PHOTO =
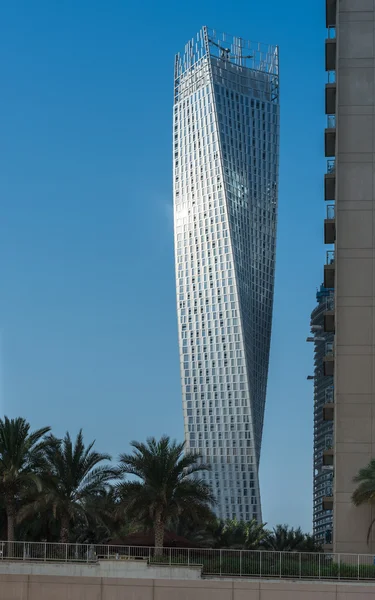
(330, 258)
(330, 348)
(232, 563)
(328, 441)
(330, 208)
(331, 166)
(330, 300)
(329, 395)
(331, 121)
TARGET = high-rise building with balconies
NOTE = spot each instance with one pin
(226, 146)
(350, 267)
(321, 319)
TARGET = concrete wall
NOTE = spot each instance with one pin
(133, 580)
(355, 269)
(125, 569)
(37, 587)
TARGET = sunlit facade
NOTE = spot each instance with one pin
(226, 145)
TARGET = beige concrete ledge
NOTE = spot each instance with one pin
(122, 569)
(21, 587)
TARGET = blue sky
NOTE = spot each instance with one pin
(87, 305)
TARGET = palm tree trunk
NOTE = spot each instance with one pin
(10, 512)
(10, 523)
(159, 535)
(64, 531)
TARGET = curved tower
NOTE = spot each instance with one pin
(226, 144)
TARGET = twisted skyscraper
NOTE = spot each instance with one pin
(226, 144)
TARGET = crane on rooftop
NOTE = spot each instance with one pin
(226, 54)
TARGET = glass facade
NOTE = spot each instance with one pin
(226, 145)
(323, 429)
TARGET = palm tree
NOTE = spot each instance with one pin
(199, 534)
(365, 492)
(100, 523)
(168, 485)
(41, 526)
(22, 459)
(310, 544)
(240, 535)
(287, 539)
(255, 534)
(75, 478)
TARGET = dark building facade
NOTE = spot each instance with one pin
(323, 417)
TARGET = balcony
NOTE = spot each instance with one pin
(327, 502)
(328, 412)
(328, 457)
(331, 49)
(329, 320)
(330, 94)
(329, 360)
(329, 270)
(330, 136)
(330, 13)
(330, 225)
(330, 180)
(328, 409)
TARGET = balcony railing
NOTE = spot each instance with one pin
(331, 166)
(330, 302)
(329, 360)
(331, 76)
(330, 258)
(329, 395)
(331, 32)
(331, 211)
(328, 411)
(331, 121)
(328, 414)
(217, 563)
